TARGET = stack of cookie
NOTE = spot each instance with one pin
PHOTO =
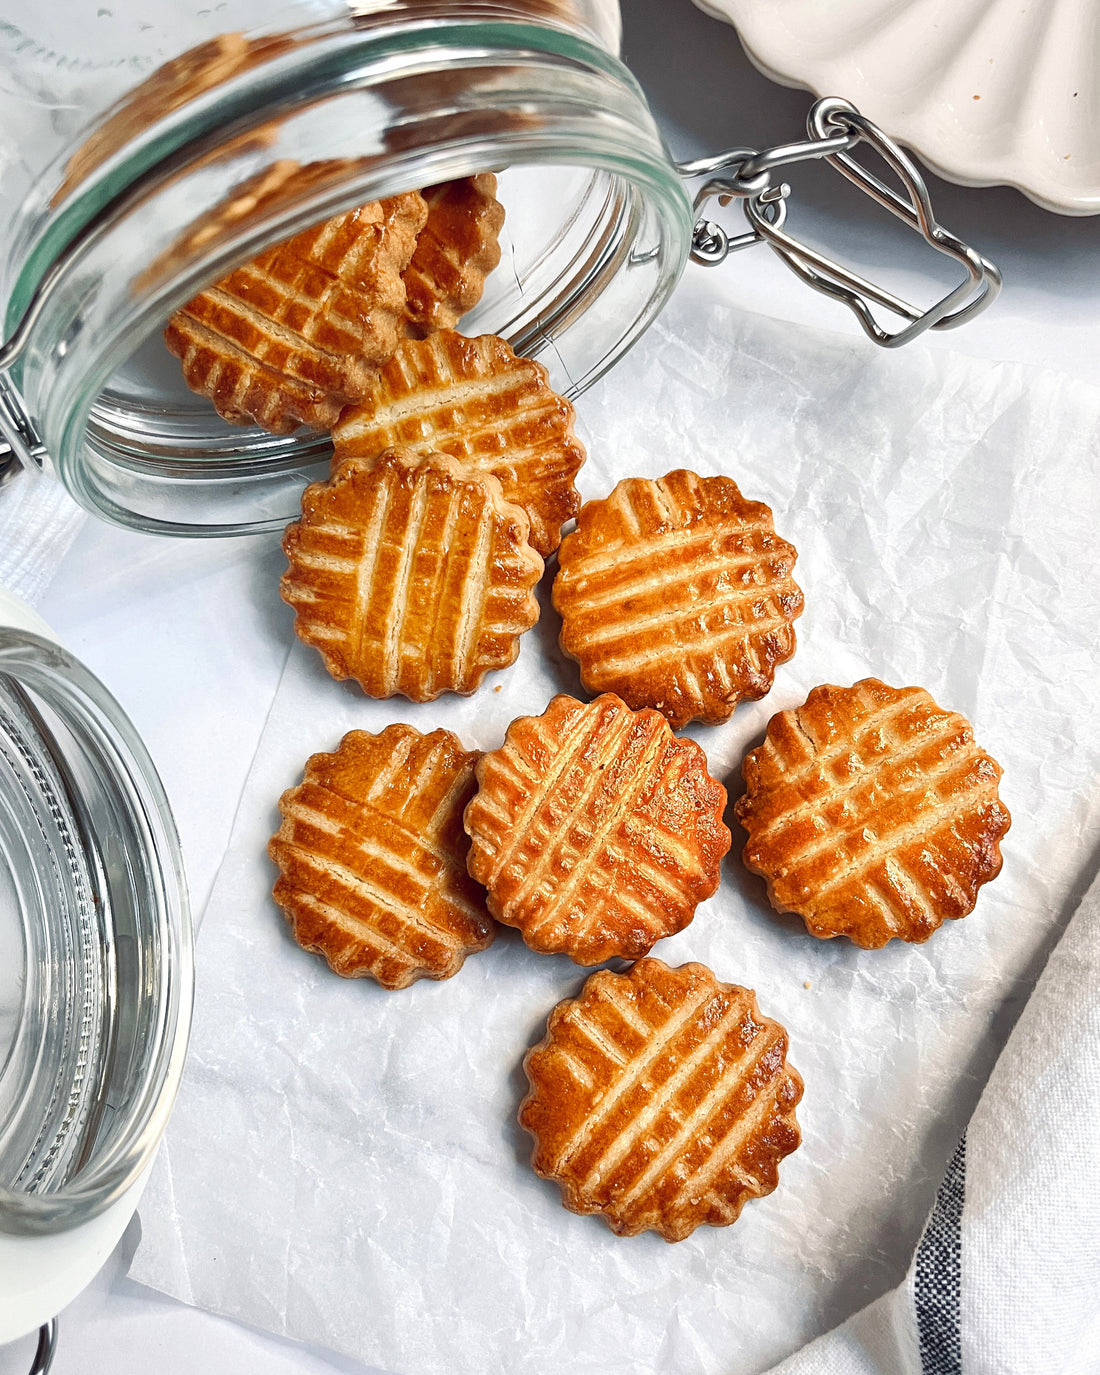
(413, 567)
(292, 337)
(660, 1098)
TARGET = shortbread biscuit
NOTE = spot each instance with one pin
(294, 335)
(372, 857)
(474, 399)
(455, 251)
(872, 813)
(595, 830)
(677, 594)
(411, 575)
(662, 1099)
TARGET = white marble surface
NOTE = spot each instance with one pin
(158, 620)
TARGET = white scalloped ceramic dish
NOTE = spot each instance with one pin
(986, 92)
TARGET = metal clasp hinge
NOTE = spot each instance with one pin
(46, 1350)
(21, 445)
(835, 127)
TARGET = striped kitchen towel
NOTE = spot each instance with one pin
(1006, 1277)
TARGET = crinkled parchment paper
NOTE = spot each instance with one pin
(344, 1166)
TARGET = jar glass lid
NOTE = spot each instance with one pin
(96, 968)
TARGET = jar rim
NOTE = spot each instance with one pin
(107, 945)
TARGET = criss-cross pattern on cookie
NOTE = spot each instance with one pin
(661, 1098)
(677, 594)
(474, 399)
(371, 854)
(595, 830)
(411, 576)
(291, 337)
(456, 250)
(872, 813)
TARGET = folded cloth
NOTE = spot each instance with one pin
(38, 522)
(1007, 1272)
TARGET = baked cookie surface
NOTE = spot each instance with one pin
(677, 594)
(661, 1099)
(410, 575)
(595, 830)
(372, 857)
(291, 337)
(455, 251)
(475, 400)
(872, 813)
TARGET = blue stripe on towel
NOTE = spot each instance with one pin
(936, 1284)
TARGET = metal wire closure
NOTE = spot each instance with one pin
(20, 446)
(835, 128)
(47, 1348)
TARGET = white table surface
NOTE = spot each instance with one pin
(153, 617)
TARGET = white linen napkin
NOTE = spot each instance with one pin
(1007, 1273)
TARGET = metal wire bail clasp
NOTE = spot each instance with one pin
(835, 127)
(20, 445)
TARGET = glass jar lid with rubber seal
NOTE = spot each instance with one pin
(174, 143)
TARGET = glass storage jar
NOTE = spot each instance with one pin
(127, 210)
(123, 224)
(95, 971)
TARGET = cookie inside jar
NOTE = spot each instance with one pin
(243, 288)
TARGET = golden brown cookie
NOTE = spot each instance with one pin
(372, 857)
(455, 251)
(294, 335)
(411, 575)
(595, 830)
(662, 1099)
(677, 594)
(872, 813)
(474, 399)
